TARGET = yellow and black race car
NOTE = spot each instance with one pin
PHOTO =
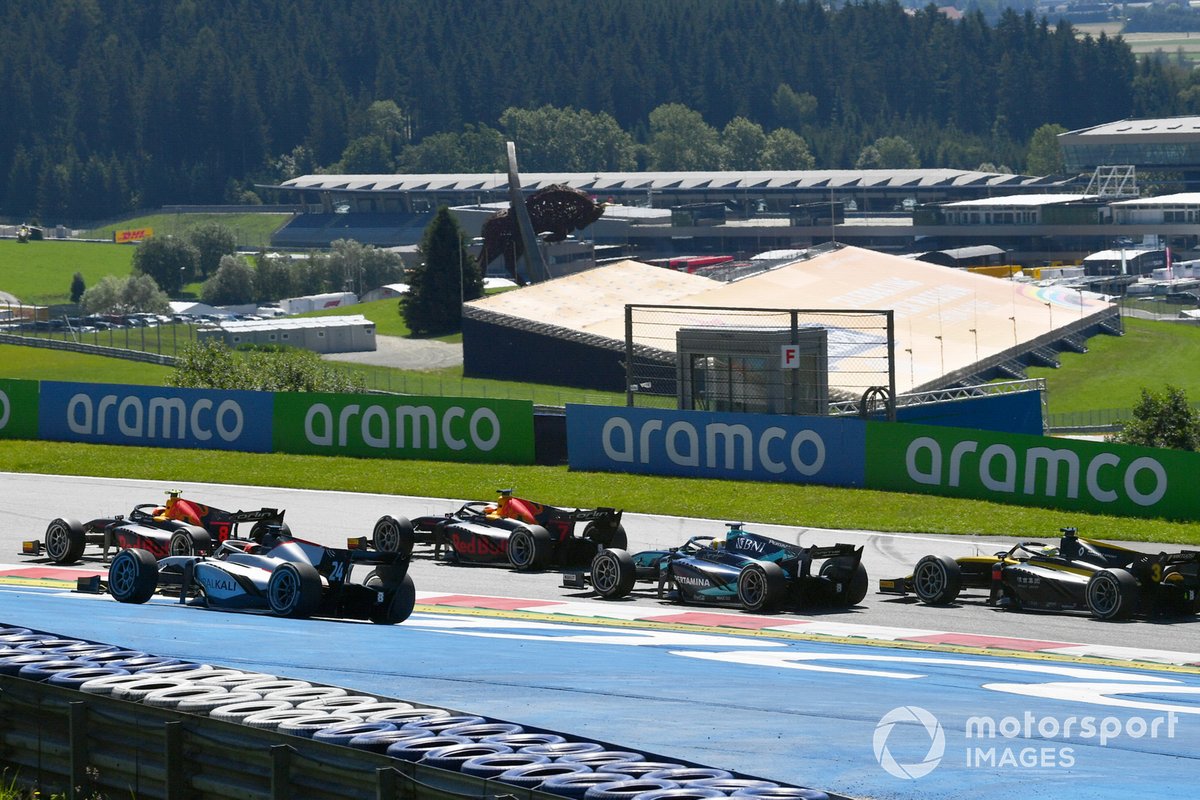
(1105, 580)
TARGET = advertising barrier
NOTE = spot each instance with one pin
(700, 444)
(433, 428)
(18, 409)
(1069, 474)
(155, 416)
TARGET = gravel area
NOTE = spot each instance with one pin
(401, 353)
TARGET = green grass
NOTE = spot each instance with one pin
(37, 363)
(252, 228)
(1115, 368)
(784, 504)
(384, 313)
(39, 273)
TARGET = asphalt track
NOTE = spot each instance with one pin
(864, 718)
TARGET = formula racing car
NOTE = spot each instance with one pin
(755, 571)
(517, 532)
(1105, 580)
(178, 527)
(282, 575)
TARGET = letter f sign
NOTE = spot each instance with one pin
(789, 356)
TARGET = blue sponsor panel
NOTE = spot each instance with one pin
(1016, 412)
(700, 444)
(155, 416)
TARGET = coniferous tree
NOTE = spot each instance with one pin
(447, 277)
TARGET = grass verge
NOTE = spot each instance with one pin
(783, 504)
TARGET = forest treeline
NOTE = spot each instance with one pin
(111, 105)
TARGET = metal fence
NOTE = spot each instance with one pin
(794, 361)
(24, 324)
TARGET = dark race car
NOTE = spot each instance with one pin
(1105, 580)
(179, 527)
(517, 532)
(282, 575)
(755, 571)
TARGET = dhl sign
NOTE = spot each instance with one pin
(135, 235)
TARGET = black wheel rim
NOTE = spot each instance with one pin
(929, 580)
(519, 548)
(122, 575)
(1103, 595)
(604, 574)
(753, 587)
(387, 536)
(57, 540)
(285, 586)
(181, 545)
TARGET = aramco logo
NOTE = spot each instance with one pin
(909, 729)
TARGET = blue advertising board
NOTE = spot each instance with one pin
(701, 444)
(155, 416)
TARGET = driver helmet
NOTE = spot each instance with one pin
(1049, 552)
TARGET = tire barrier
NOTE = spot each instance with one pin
(626, 790)
(42, 670)
(534, 775)
(380, 741)
(345, 732)
(74, 678)
(315, 721)
(684, 776)
(490, 766)
(682, 793)
(732, 785)
(236, 712)
(577, 785)
(439, 724)
(415, 749)
(562, 749)
(429, 737)
(481, 731)
(518, 741)
(784, 793)
(596, 758)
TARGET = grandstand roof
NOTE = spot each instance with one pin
(1023, 200)
(1141, 128)
(600, 182)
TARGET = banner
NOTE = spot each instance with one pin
(433, 428)
(131, 236)
(1068, 474)
(700, 444)
(152, 416)
(18, 409)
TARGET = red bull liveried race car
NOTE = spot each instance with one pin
(178, 527)
(1108, 581)
(279, 574)
(748, 569)
(518, 532)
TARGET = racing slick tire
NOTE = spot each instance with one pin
(401, 604)
(613, 573)
(854, 587)
(190, 540)
(393, 535)
(761, 586)
(133, 576)
(619, 540)
(1112, 594)
(937, 580)
(530, 548)
(65, 541)
(294, 590)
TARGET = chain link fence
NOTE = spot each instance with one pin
(781, 361)
(56, 327)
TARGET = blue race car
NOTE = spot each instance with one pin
(754, 571)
